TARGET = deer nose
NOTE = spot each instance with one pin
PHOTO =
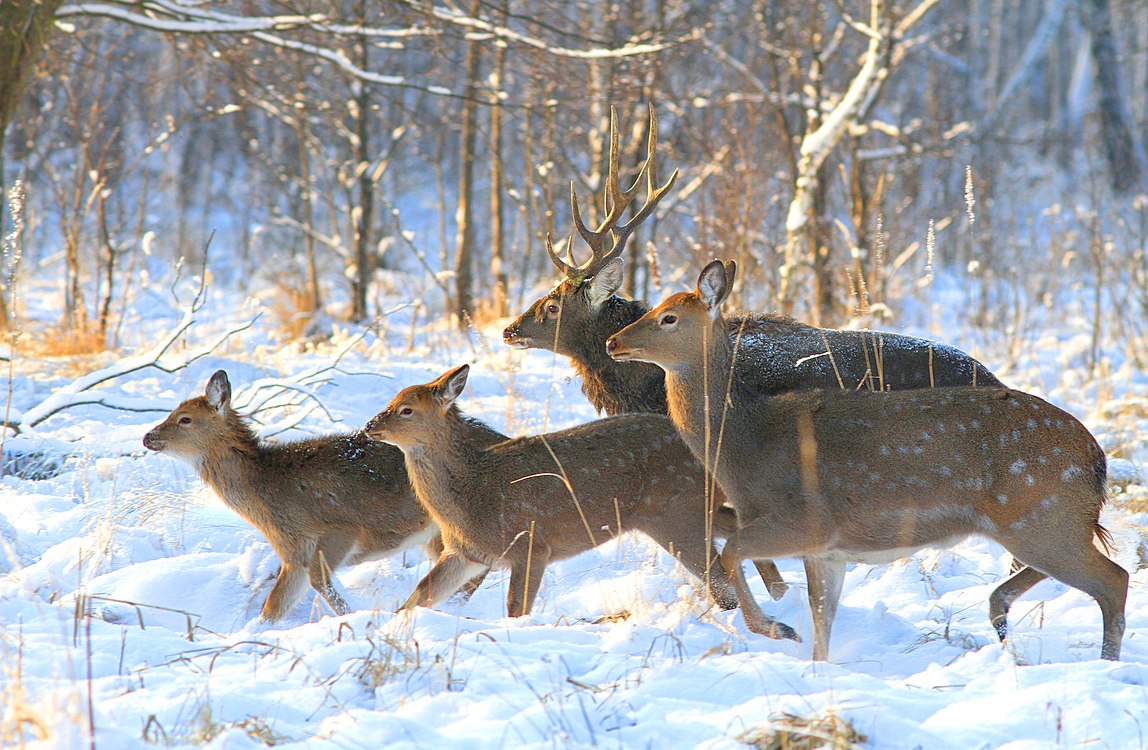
(509, 332)
(611, 343)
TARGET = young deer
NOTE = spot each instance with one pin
(833, 477)
(525, 502)
(319, 502)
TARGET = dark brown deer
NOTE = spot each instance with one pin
(833, 477)
(525, 502)
(320, 502)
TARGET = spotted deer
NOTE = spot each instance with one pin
(778, 354)
(525, 502)
(320, 502)
(832, 477)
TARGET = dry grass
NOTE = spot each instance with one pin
(294, 311)
(39, 340)
(819, 731)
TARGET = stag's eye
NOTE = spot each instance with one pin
(669, 320)
(406, 411)
(185, 420)
(552, 308)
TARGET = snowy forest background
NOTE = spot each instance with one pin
(335, 200)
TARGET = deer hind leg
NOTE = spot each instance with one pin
(755, 619)
(1082, 566)
(287, 590)
(333, 550)
(1000, 601)
(446, 577)
(725, 523)
(825, 578)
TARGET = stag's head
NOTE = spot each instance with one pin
(418, 414)
(561, 317)
(678, 332)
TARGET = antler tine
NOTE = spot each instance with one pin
(616, 201)
(653, 194)
(563, 266)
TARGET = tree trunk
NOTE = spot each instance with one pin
(1124, 158)
(497, 241)
(364, 211)
(464, 214)
(25, 26)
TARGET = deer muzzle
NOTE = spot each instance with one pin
(618, 350)
(153, 442)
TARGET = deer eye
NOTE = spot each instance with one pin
(669, 319)
(406, 411)
(185, 420)
(552, 308)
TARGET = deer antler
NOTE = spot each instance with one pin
(615, 202)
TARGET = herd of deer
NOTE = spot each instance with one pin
(786, 440)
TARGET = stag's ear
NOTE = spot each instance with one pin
(608, 280)
(713, 287)
(449, 387)
(218, 391)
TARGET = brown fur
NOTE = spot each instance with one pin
(854, 477)
(525, 502)
(320, 502)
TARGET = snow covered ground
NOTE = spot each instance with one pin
(619, 652)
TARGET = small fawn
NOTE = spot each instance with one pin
(833, 477)
(320, 502)
(525, 502)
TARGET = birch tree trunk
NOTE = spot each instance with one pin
(464, 214)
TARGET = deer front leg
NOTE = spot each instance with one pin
(286, 591)
(755, 619)
(725, 523)
(452, 570)
(332, 552)
(824, 578)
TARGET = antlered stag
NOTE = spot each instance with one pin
(320, 502)
(833, 477)
(525, 502)
(778, 354)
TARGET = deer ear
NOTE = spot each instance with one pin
(607, 281)
(218, 391)
(730, 273)
(449, 386)
(713, 287)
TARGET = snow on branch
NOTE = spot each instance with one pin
(82, 390)
(170, 16)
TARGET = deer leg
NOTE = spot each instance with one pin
(824, 578)
(755, 619)
(333, 550)
(525, 578)
(286, 591)
(1005, 594)
(725, 523)
(1086, 568)
(689, 548)
(448, 574)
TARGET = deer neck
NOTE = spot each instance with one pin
(231, 469)
(441, 468)
(616, 387)
(697, 393)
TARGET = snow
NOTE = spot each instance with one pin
(620, 651)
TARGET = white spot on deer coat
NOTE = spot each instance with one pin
(1017, 466)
